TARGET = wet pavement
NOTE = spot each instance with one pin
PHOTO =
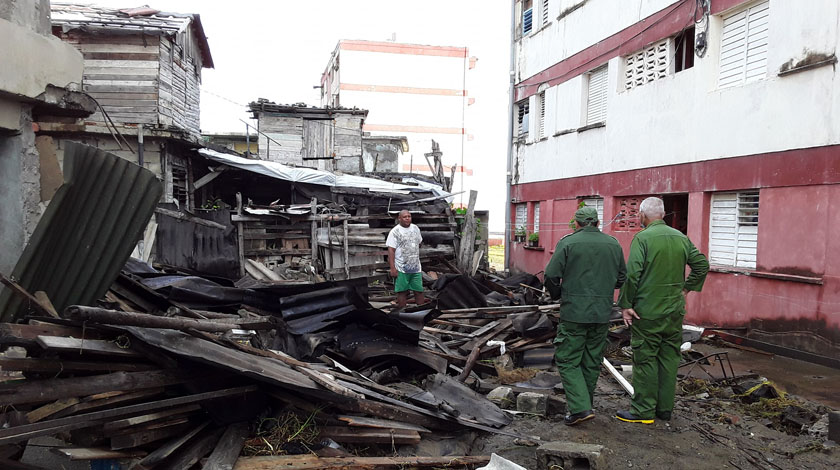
(811, 381)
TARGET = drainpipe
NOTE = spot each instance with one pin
(140, 145)
(509, 176)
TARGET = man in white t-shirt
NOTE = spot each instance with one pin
(404, 256)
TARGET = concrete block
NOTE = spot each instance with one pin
(556, 406)
(570, 455)
(503, 397)
(834, 426)
(529, 402)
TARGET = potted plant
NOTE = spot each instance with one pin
(519, 234)
(534, 239)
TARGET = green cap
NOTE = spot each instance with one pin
(586, 214)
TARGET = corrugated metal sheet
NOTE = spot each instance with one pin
(87, 232)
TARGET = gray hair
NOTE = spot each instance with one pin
(653, 207)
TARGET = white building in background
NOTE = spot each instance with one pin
(727, 109)
(418, 91)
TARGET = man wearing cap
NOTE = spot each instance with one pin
(653, 303)
(586, 268)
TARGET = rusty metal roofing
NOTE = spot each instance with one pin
(70, 16)
(87, 232)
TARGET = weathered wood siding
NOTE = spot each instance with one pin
(180, 80)
(309, 142)
(121, 73)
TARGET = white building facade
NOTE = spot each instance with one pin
(726, 109)
(419, 91)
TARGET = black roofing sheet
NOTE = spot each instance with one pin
(87, 232)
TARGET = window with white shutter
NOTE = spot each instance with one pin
(521, 219)
(733, 231)
(522, 118)
(537, 217)
(544, 12)
(596, 203)
(527, 17)
(596, 98)
(744, 45)
(647, 65)
(541, 115)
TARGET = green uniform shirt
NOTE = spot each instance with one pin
(590, 266)
(656, 271)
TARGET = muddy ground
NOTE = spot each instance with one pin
(715, 432)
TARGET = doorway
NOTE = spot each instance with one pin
(676, 211)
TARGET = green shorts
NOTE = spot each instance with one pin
(409, 281)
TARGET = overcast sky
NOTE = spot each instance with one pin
(278, 49)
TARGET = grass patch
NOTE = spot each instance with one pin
(515, 375)
(289, 433)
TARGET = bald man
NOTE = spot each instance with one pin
(404, 256)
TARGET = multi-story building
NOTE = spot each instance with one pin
(414, 90)
(727, 109)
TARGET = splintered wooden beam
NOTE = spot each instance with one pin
(55, 366)
(147, 418)
(28, 298)
(365, 422)
(96, 453)
(171, 446)
(309, 462)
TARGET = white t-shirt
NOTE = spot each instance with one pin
(406, 241)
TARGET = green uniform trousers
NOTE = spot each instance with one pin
(579, 349)
(656, 356)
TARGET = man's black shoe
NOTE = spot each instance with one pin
(663, 415)
(571, 420)
(629, 417)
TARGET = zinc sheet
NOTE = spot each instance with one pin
(87, 232)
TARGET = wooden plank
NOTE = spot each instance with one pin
(171, 446)
(309, 462)
(96, 453)
(148, 418)
(192, 453)
(363, 421)
(50, 409)
(115, 317)
(87, 346)
(44, 299)
(95, 402)
(370, 436)
(128, 441)
(38, 391)
(227, 451)
(121, 56)
(28, 298)
(35, 329)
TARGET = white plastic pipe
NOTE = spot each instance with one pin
(620, 378)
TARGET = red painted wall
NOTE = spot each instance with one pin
(798, 207)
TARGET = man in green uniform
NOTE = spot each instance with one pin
(653, 303)
(586, 268)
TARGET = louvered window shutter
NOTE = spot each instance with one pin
(537, 217)
(596, 103)
(545, 12)
(598, 204)
(526, 20)
(733, 234)
(541, 117)
(521, 215)
(744, 44)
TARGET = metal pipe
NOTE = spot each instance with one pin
(140, 145)
(509, 176)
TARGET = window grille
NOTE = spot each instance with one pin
(536, 217)
(733, 232)
(744, 45)
(596, 102)
(648, 65)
